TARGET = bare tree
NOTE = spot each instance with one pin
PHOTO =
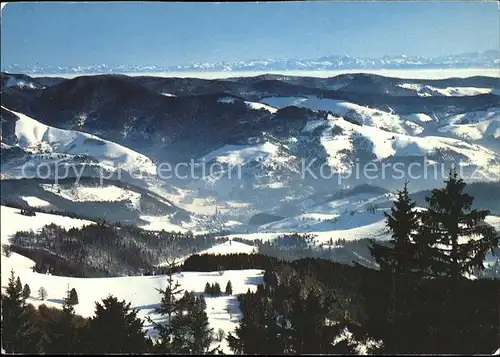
(6, 250)
(220, 335)
(42, 293)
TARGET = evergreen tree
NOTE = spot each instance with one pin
(216, 289)
(67, 303)
(67, 336)
(448, 221)
(208, 289)
(15, 326)
(229, 288)
(169, 308)
(403, 221)
(115, 328)
(26, 291)
(73, 297)
(19, 285)
(192, 320)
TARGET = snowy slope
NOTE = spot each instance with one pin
(367, 116)
(488, 129)
(473, 126)
(223, 312)
(383, 144)
(35, 201)
(260, 106)
(80, 193)
(12, 221)
(58, 145)
(230, 247)
(427, 90)
(241, 154)
(419, 118)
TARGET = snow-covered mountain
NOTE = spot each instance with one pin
(486, 59)
(265, 126)
(42, 143)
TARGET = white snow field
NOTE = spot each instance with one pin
(241, 154)
(12, 222)
(81, 193)
(374, 118)
(59, 145)
(33, 201)
(260, 106)
(384, 144)
(349, 228)
(427, 90)
(223, 312)
(474, 126)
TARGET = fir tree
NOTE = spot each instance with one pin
(26, 292)
(67, 336)
(463, 237)
(115, 328)
(229, 288)
(73, 297)
(15, 318)
(192, 320)
(403, 221)
(208, 289)
(169, 307)
(19, 285)
(216, 289)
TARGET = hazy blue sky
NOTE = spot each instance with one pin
(176, 33)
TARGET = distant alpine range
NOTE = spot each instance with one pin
(486, 59)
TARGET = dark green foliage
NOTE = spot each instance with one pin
(403, 223)
(212, 290)
(185, 329)
(29, 211)
(26, 291)
(210, 262)
(291, 314)
(428, 242)
(229, 288)
(208, 289)
(19, 285)
(449, 217)
(73, 297)
(16, 329)
(115, 328)
(60, 331)
(168, 309)
(408, 313)
(216, 289)
(105, 250)
(263, 218)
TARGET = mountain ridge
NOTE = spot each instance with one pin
(485, 59)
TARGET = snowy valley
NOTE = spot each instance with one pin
(83, 164)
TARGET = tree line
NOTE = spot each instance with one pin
(419, 301)
(114, 328)
(102, 249)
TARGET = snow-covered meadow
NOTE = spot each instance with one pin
(141, 291)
